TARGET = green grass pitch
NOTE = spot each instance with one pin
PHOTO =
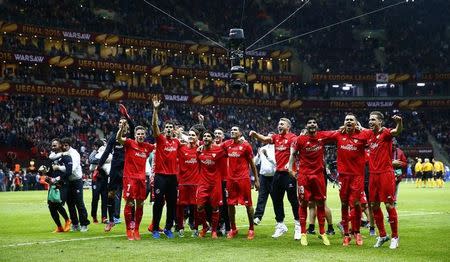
(26, 225)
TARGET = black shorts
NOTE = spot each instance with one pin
(427, 175)
(115, 179)
(418, 174)
(439, 175)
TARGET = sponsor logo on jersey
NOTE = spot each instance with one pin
(281, 148)
(170, 149)
(234, 154)
(349, 147)
(140, 154)
(313, 148)
(208, 162)
(191, 161)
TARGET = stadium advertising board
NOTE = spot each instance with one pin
(111, 39)
(118, 94)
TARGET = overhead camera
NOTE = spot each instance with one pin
(238, 74)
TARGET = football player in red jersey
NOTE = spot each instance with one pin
(134, 193)
(310, 178)
(240, 158)
(166, 170)
(351, 143)
(187, 179)
(382, 177)
(209, 190)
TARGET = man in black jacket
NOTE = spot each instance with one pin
(116, 173)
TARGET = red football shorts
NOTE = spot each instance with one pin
(186, 194)
(311, 187)
(134, 188)
(351, 188)
(209, 194)
(382, 187)
(239, 192)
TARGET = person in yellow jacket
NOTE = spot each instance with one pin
(418, 173)
(438, 172)
(427, 170)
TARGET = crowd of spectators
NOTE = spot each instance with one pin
(410, 37)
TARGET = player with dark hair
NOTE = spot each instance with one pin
(187, 179)
(117, 164)
(351, 143)
(75, 201)
(209, 187)
(219, 137)
(166, 170)
(136, 154)
(310, 178)
(382, 177)
(240, 160)
(282, 181)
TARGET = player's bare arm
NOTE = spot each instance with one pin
(119, 136)
(260, 137)
(290, 167)
(156, 104)
(399, 125)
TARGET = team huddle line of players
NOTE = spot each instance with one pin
(206, 175)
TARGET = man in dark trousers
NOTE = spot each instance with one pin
(117, 164)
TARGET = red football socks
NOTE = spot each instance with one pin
(344, 215)
(320, 219)
(127, 213)
(393, 221)
(302, 213)
(378, 216)
(138, 215)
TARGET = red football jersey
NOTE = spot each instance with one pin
(209, 161)
(239, 157)
(310, 150)
(282, 143)
(350, 152)
(189, 166)
(166, 162)
(136, 155)
(224, 166)
(380, 152)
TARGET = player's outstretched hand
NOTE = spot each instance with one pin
(201, 118)
(252, 133)
(397, 118)
(156, 101)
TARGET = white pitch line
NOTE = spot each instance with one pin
(409, 214)
(60, 241)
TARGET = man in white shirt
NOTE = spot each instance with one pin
(266, 160)
(75, 200)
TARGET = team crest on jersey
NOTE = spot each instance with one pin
(213, 155)
(240, 148)
(343, 139)
(285, 141)
(355, 140)
(307, 143)
(378, 136)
